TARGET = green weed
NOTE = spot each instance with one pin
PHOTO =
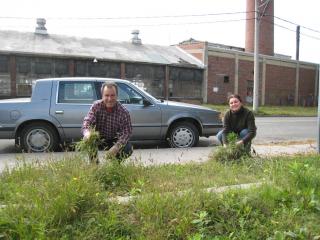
(89, 146)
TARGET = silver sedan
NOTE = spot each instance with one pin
(69, 99)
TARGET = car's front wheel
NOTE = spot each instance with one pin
(183, 135)
(39, 137)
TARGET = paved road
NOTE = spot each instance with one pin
(270, 129)
(275, 129)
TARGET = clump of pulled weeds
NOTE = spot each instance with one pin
(231, 152)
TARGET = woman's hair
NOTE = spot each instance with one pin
(234, 96)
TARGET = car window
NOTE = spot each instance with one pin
(128, 95)
(76, 92)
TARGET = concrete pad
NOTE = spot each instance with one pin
(273, 150)
(159, 156)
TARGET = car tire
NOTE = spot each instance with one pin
(39, 137)
(183, 135)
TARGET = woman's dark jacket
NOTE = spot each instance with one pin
(237, 121)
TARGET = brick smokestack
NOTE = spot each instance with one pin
(266, 41)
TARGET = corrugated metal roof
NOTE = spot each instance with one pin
(31, 43)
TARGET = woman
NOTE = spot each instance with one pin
(239, 120)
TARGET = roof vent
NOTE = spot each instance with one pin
(41, 29)
(136, 39)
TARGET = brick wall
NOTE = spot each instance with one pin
(306, 86)
(218, 67)
(196, 49)
(280, 85)
(245, 75)
(198, 45)
(280, 78)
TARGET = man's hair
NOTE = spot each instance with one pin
(109, 85)
(234, 96)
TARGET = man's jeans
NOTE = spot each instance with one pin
(242, 134)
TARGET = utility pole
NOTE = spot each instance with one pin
(256, 59)
(318, 137)
(297, 42)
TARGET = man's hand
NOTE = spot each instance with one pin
(112, 152)
(239, 143)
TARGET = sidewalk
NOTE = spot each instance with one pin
(163, 155)
(202, 154)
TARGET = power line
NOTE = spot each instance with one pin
(287, 21)
(124, 18)
(172, 24)
(166, 24)
(162, 17)
(278, 25)
(306, 35)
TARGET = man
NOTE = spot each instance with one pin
(112, 120)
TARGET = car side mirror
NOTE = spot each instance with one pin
(136, 100)
(146, 103)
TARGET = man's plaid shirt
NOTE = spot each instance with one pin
(110, 125)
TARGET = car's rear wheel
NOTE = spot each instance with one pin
(183, 135)
(39, 137)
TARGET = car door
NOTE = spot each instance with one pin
(71, 104)
(146, 119)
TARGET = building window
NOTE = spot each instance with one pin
(185, 83)
(113, 70)
(23, 65)
(104, 69)
(42, 68)
(61, 68)
(226, 79)
(5, 81)
(5, 89)
(24, 76)
(146, 76)
(4, 64)
(81, 68)
(97, 69)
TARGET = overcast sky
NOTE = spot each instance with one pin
(199, 19)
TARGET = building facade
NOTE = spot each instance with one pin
(282, 81)
(164, 71)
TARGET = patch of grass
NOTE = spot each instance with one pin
(41, 197)
(293, 111)
(69, 199)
